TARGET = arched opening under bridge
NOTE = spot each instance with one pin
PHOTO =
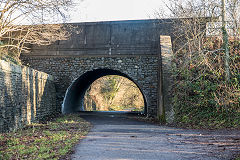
(78, 90)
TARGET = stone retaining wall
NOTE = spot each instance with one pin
(26, 96)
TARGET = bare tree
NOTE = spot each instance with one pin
(201, 87)
(194, 14)
(225, 41)
(114, 93)
(15, 36)
(233, 9)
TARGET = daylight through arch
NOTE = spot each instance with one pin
(113, 93)
(74, 97)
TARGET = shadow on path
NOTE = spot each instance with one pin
(116, 137)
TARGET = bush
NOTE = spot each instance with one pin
(202, 98)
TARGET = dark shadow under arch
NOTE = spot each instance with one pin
(73, 100)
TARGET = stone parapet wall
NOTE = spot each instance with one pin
(26, 96)
(130, 37)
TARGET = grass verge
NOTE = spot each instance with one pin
(53, 139)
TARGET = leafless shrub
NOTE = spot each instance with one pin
(200, 89)
(15, 37)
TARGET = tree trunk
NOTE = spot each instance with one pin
(225, 41)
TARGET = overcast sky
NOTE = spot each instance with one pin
(108, 10)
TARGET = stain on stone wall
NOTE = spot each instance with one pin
(26, 96)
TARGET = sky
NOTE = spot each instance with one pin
(109, 10)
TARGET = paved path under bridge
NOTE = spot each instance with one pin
(115, 136)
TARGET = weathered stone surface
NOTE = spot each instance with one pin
(134, 37)
(166, 74)
(26, 96)
(143, 70)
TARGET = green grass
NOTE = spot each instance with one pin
(52, 140)
(238, 157)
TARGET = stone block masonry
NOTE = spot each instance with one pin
(143, 70)
(26, 96)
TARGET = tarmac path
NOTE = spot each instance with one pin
(115, 136)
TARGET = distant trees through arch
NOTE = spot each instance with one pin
(113, 93)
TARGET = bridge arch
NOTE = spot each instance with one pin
(74, 96)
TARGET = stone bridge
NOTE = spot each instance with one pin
(132, 49)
